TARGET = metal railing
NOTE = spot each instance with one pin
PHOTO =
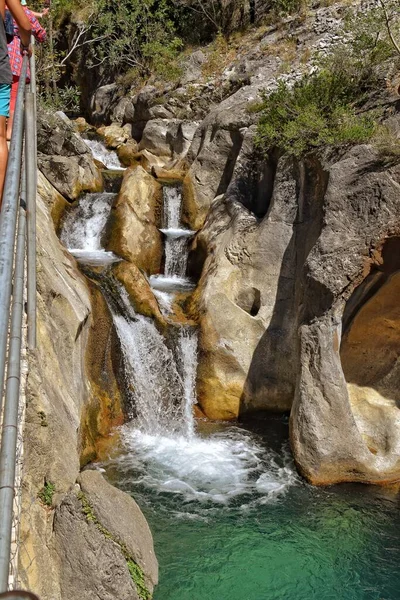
(18, 206)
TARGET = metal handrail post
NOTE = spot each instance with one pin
(11, 406)
(30, 166)
(8, 221)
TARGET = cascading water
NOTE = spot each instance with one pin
(83, 227)
(109, 158)
(163, 385)
(176, 255)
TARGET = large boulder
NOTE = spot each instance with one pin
(71, 175)
(64, 158)
(139, 290)
(344, 421)
(135, 217)
(111, 528)
(168, 137)
(246, 304)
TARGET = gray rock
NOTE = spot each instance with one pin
(92, 566)
(103, 102)
(120, 515)
(168, 137)
(71, 175)
(193, 67)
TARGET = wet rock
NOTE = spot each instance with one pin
(133, 230)
(139, 290)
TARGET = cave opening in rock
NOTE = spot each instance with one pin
(370, 350)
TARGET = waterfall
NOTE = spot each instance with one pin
(109, 158)
(83, 227)
(176, 238)
(161, 380)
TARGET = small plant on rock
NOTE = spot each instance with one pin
(47, 492)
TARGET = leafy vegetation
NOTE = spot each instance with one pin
(47, 492)
(317, 111)
(327, 107)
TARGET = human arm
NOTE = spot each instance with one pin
(22, 21)
(38, 31)
(40, 15)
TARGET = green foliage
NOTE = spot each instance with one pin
(325, 108)
(317, 111)
(287, 7)
(137, 576)
(133, 34)
(46, 493)
(135, 571)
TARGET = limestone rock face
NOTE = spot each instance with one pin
(135, 218)
(122, 517)
(293, 256)
(246, 302)
(213, 154)
(344, 422)
(101, 571)
(111, 526)
(65, 159)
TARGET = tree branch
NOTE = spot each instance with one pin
(389, 30)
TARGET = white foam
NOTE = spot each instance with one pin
(213, 469)
(178, 233)
(109, 158)
(85, 222)
(94, 257)
(171, 284)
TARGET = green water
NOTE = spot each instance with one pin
(302, 543)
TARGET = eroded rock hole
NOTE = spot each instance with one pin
(249, 300)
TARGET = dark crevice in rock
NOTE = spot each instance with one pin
(254, 184)
(196, 259)
(370, 286)
(237, 140)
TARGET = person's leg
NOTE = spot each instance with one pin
(5, 91)
(3, 154)
(13, 99)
